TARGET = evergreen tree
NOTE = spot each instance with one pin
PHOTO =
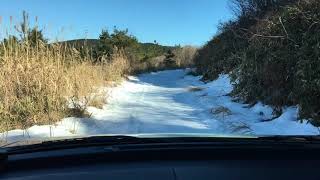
(169, 60)
(35, 36)
(119, 39)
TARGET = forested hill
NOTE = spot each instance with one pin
(145, 50)
(81, 42)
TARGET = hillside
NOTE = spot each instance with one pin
(77, 43)
(144, 50)
(271, 50)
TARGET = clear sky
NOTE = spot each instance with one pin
(169, 22)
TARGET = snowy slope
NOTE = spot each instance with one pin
(171, 102)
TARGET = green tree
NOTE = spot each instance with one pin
(118, 39)
(105, 44)
(10, 40)
(122, 40)
(36, 36)
(169, 59)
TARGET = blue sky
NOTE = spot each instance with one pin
(169, 22)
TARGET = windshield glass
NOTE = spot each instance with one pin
(164, 68)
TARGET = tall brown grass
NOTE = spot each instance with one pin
(185, 56)
(38, 82)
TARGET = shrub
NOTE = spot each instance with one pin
(272, 54)
(218, 55)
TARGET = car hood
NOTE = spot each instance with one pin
(29, 141)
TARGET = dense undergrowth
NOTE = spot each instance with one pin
(271, 50)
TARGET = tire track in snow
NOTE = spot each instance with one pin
(135, 124)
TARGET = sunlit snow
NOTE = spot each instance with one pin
(162, 102)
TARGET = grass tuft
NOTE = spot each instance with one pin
(221, 110)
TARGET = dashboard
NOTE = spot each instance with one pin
(166, 163)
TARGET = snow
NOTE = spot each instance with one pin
(162, 102)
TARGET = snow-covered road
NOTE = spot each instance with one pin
(173, 102)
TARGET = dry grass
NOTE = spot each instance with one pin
(240, 127)
(185, 56)
(98, 101)
(221, 110)
(37, 83)
(195, 88)
(117, 68)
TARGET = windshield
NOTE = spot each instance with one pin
(229, 68)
